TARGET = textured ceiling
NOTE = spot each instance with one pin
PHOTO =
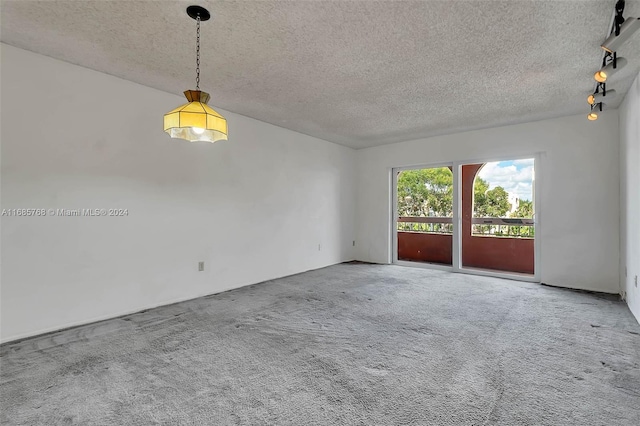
(358, 73)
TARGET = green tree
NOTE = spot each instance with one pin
(425, 192)
(489, 202)
(498, 202)
(525, 209)
(480, 188)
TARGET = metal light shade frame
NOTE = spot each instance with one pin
(630, 26)
(595, 98)
(606, 72)
(196, 121)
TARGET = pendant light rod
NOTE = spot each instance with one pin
(200, 14)
(198, 53)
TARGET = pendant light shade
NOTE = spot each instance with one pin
(195, 120)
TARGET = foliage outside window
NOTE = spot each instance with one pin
(429, 193)
(426, 193)
(495, 203)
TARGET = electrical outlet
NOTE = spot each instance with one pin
(200, 266)
(319, 247)
(636, 280)
(354, 243)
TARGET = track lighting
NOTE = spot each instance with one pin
(627, 29)
(606, 72)
(594, 98)
(620, 31)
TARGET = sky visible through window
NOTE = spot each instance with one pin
(515, 176)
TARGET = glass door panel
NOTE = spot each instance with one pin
(424, 221)
(498, 232)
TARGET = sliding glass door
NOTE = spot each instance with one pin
(476, 217)
(424, 215)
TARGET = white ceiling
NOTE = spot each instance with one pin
(358, 73)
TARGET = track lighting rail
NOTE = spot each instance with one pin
(620, 31)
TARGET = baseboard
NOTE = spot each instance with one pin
(360, 262)
(67, 326)
(605, 294)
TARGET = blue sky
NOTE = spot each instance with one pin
(514, 176)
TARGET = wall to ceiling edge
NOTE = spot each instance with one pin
(267, 203)
(578, 179)
(630, 197)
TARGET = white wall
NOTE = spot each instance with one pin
(630, 196)
(253, 208)
(579, 182)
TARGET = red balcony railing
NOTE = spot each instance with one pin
(504, 244)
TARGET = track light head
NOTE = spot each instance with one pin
(594, 98)
(606, 72)
(595, 111)
(627, 29)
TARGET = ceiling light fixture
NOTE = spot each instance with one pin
(595, 111)
(614, 65)
(195, 120)
(622, 29)
(626, 30)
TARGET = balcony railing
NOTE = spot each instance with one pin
(433, 225)
(481, 226)
(503, 227)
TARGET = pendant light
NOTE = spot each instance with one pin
(195, 120)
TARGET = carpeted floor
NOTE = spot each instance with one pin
(351, 344)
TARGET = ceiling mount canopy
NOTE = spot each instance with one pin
(195, 120)
(198, 11)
